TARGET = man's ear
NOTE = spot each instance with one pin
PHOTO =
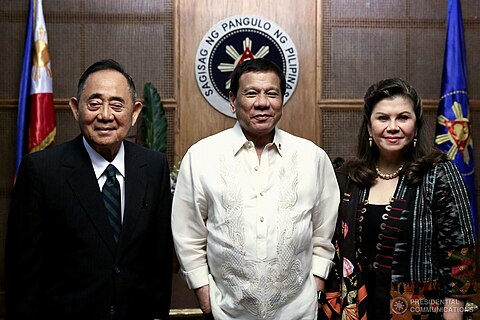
(73, 103)
(231, 98)
(137, 108)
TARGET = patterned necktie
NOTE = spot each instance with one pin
(111, 198)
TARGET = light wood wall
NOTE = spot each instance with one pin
(195, 117)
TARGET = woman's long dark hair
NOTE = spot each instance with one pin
(417, 158)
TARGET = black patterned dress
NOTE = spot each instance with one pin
(424, 251)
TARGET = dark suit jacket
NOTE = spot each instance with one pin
(61, 259)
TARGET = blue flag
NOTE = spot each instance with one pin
(453, 133)
(24, 94)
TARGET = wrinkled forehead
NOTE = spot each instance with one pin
(266, 76)
(107, 82)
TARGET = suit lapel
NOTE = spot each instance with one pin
(84, 184)
(135, 188)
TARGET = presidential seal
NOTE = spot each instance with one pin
(234, 40)
(399, 305)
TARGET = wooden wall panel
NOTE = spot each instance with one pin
(196, 118)
(159, 45)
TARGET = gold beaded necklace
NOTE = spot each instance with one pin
(388, 176)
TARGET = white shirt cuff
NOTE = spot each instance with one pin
(196, 278)
(321, 267)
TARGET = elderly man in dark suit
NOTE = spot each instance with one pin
(89, 227)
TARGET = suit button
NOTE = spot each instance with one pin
(111, 310)
(117, 271)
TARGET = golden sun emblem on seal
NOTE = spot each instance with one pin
(399, 305)
(459, 133)
(247, 54)
(41, 57)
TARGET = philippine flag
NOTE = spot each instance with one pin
(36, 113)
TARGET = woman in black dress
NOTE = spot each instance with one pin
(405, 240)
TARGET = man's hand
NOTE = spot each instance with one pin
(203, 297)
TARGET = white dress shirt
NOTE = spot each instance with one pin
(256, 231)
(100, 164)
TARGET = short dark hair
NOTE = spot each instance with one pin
(256, 65)
(107, 64)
